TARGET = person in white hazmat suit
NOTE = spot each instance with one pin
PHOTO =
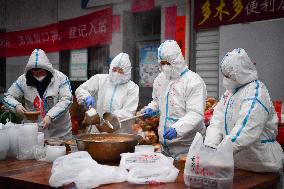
(113, 92)
(43, 89)
(179, 95)
(246, 113)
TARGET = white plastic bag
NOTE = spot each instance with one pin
(209, 168)
(131, 160)
(101, 174)
(27, 140)
(4, 142)
(13, 132)
(80, 168)
(66, 168)
(152, 174)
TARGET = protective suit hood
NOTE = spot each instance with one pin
(170, 51)
(238, 66)
(122, 60)
(38, 59)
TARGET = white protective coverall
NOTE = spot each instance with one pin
(247, 115)
(55, 102)
(119, 98)
(180, 100)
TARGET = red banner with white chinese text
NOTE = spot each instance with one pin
(213, 13)
(81, 32)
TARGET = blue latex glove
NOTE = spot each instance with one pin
(90, 101)
(148, 112)
(170, 133)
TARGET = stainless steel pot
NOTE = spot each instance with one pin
(106, 148)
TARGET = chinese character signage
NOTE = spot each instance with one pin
(213, 13)
(85, 31)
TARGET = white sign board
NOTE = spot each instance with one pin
(79, 65)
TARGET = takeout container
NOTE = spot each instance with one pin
(144, 148)
(53, 152)
(54, 142)
(106, 148)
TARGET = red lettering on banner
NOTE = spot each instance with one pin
(85, 31)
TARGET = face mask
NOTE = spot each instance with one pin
(40, 78)
(167, 70)
(230, 84)
(175, 73)
(116, 78)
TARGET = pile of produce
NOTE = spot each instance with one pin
(210, 104)
(148, 129)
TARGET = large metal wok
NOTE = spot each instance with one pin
(106, 148)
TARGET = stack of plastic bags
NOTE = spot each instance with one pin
(148, 168)
(19, 140)
(81, 169)
(136, 168)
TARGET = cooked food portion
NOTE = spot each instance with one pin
(210, 103)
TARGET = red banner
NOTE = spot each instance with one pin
(142, 5)
(180, 32)
(81, 32)
(170, 22)
(213, 13)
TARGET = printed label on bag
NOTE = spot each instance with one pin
(197, 169)
(201, 182)
(143, 159)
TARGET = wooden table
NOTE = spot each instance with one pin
(33, 174)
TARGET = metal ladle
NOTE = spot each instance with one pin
(113, 122)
